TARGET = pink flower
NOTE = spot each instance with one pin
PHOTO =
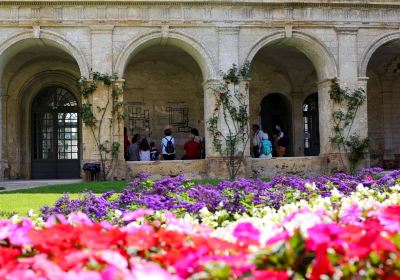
(389, 217)
(282, 236)
(352, 215)
(113, 258)
(151, 271)
(79, 218)
(247, 233)
(134, 215)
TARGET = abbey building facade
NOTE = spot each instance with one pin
(166, 55)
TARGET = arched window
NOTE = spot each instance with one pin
(55, 134)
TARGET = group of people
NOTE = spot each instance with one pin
(141, 150)
(264, 148)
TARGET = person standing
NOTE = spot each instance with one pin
(266, 147)
(199, 139)
(154, 153)
(257, 139)
(144, 153)
(192, 148)
(168, 145)
(133, 151)
(283, 141)
(126, 144)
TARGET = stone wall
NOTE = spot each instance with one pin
(50, 42)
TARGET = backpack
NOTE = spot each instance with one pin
(266, 147)
(169, 148)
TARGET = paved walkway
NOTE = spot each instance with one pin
(28, 184)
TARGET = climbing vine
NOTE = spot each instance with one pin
(347, 103)
(228, 125)
(95, 119)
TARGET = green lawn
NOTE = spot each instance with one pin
(21, 201)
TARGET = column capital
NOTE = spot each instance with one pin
(346, 30)
(211, 82)
(228, 29)
(323, 83)
(101, 28)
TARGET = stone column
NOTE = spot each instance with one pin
(209, 106)
(217, 163)
(298, 124)
(2, 164)
(228, 46)
(387, 95)
(102, 48)
(347, 54)
(325, 110)
(111, 129)
(348, 75)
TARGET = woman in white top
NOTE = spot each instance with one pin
(144, 152)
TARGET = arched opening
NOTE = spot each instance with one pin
(163, 90)
(383, 99)
(284, 69)
(55, 135)
(311, 125)
(31, 67)
(275, 112)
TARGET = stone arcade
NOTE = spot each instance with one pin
(167, 53)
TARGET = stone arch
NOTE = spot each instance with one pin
(371, 49)
(311, 47)
(26, 94)
(178, 39)
(54, 37)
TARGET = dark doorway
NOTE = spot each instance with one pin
(275, 111)
(55, 135)
(311, 125)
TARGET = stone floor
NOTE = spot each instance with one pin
(27, 184)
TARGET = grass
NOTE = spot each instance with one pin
(21, 201)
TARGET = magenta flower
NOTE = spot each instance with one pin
(134, 215)
(247, 233)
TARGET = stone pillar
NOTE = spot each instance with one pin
(228, 46)
(102, 48)
(348, 75)
(2, 164)
(387, 95)
(209, 107)
(111, 129)
(217, 163)
(325, 109)
(298, 124)
(347, 54)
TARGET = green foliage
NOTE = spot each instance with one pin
(231, 108)
(95, 120)
(357, 148)
(348, 102)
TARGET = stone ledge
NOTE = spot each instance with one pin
(301, 166)
(193, 169)
(279, 3)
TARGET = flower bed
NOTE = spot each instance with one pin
(360, 245)
(228, 201)
(338, 227)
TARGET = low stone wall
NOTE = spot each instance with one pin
(251, 168)
(193, 169)
(301, 166)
